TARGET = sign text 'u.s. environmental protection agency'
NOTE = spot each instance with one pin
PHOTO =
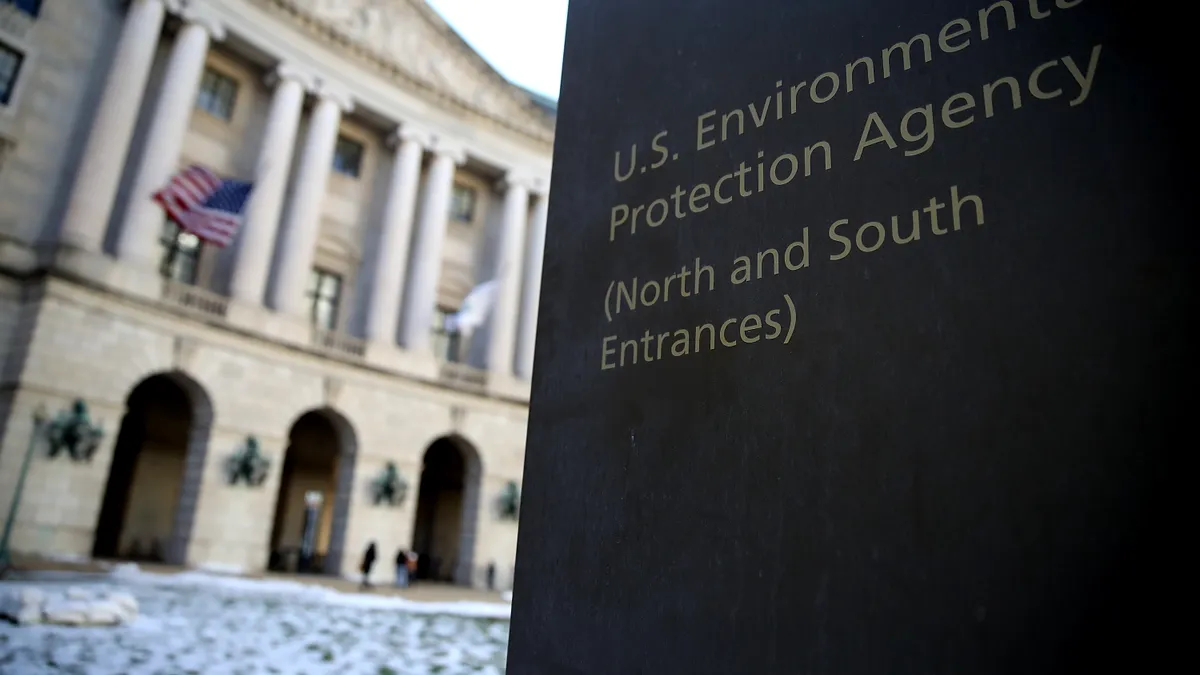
(1065, 80)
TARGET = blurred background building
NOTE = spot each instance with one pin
(393, 171)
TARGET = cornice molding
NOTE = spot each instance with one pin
(332, 36)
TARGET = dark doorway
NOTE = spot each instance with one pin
(444, 527)
(303, 530)
(139, 516)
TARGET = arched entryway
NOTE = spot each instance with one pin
(154, 481)
(447, 504)
(309, 527)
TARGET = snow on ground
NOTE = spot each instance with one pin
(212, 625)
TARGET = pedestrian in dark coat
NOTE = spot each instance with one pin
(368, 562)
(402, 568)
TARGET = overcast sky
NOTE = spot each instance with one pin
(523, 39)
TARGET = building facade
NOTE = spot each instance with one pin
(393, 172)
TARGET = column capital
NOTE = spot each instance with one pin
(199, 13)
(289, 71)
(516, 178)
(532, 182)
(449, 147)
(328, 90)
(410, 132)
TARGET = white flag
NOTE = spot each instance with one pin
(475, 309)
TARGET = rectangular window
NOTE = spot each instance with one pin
(447, 344)
(180, 253)
(462, 204)
(324, 296)
(218, 94)
(347, 157)
(11, 61)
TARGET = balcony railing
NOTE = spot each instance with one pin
(194, 300)
(341, 344)
(462, 376)
(205, 304)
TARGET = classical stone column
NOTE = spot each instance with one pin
(299, 233)
(99, 172)
(138, 240)
(534, 250)
(270, 179)
(427, 247)
(396, 233)
(503, 334)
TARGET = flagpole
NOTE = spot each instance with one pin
(172, 252)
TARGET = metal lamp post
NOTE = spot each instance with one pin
(39, 425)
(71, 432)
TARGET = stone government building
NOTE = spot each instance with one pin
(394, 170)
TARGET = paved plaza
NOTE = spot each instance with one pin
(212, 625)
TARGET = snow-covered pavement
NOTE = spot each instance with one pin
(212, 625)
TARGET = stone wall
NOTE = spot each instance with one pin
(67, 51)
(90, 344)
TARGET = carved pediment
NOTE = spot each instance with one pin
(413, 38)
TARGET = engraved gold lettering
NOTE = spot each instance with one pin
(678, 196)
(605, 351)
(632, 345)
(962, 27)
(957, 206)
(1083, 80)
(620, 214)
(727, 324)
(658, 147)
(1035, 87)
(844, 241)
(702, 129)
(871, 236)
(1010, 18)
(988, 89)
(873, 120)
(773, 324)
(949, 109)
(811, 150)
(925, 134)
(750, 323)
(834, 85)
(717, 190)
(915, 235)
(880, 235)
(788, 262)
(870, 68)
(905, 49)
(732, 115)
(699, 193)
(632, 165)
(774, 256)
(666, 210)
(795, 167)
(1037, 12)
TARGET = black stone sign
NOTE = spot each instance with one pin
(861, 334)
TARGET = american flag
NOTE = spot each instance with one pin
(203, 203)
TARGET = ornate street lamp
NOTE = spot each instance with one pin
(389, 487)
(510, 501)
(71, 431)
(247, 464)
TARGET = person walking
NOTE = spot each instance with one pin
(368, 562)
(412, 561)
(402, 568)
